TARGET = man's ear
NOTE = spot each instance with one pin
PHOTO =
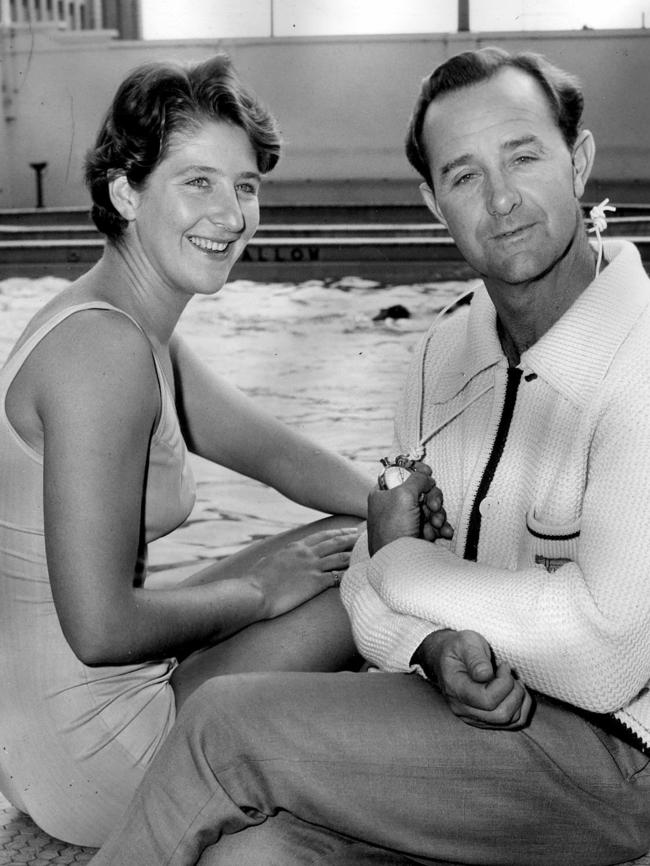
(430, 201)
(123, 196)
(582, 157)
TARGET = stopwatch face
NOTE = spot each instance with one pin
(393, 476)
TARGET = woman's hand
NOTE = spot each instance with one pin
(303, 569)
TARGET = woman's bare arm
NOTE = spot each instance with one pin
(98, 400)
(223, 425)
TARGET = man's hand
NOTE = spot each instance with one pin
(413, 509)
(480, 694)
(434, 523)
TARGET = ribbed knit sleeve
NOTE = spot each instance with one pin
(384, 637)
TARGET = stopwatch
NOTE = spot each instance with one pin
(395, 471)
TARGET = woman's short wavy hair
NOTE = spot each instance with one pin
(153, 103)
(562, 90)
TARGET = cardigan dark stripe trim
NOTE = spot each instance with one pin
(474, 527)
(545, 537)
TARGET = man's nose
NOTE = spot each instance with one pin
(502, 195)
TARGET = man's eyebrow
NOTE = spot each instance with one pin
(454, 163)
(211, 169)
(514, 143)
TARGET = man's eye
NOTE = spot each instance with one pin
(463, 178)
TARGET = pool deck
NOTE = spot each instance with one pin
(21, 841)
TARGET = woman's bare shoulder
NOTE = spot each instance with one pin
(94, 340)
(94, 358)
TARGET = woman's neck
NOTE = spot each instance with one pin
(118, 279)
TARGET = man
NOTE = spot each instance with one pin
(510, 720)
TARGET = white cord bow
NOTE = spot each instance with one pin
(599, 224)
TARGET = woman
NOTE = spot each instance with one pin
(100, 398)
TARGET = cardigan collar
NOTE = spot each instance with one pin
(574, 355)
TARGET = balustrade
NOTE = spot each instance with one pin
(65, 14)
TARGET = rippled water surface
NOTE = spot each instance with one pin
(311, 354)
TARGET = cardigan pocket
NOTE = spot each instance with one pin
(550, 545)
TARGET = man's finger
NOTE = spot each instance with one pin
(477, 656)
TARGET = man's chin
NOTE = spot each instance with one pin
(519, 270)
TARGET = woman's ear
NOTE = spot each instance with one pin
(123, 196)
(430, 201)
(582, 157)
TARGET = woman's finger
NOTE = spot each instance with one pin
(334, 545)
(334, 561)
(336, 536)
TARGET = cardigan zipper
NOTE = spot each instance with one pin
(474, 524)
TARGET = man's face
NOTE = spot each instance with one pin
(503, 178)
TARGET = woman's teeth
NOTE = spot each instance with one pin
(207, 244)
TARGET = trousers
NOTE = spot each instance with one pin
(373, 768)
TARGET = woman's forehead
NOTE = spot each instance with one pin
(217, 140)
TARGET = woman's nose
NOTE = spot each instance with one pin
(226, 211)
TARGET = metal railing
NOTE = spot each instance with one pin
(64, 14)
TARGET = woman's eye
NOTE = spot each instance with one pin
(248, 188)
(198, 181)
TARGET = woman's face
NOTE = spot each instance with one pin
(199, 208)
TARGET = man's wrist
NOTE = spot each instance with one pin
(426, 655)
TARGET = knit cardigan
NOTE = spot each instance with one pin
(545, 471)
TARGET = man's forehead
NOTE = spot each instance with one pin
(506, 109)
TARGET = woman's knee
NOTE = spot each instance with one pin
(313, 637)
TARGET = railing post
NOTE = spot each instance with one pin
(463, 16)
(97, 16)
(39, 168)
(5, 13)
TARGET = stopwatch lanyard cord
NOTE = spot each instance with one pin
(598, 218)
(419, 451)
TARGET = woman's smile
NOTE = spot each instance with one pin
(209, 246)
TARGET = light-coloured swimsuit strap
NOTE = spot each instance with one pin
(20, 355)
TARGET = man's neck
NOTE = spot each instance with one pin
(527, 311)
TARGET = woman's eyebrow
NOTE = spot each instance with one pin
(211, 169)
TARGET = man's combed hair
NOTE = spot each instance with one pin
(154, 102)
(562, 90)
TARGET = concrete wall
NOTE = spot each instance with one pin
(343, 102)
